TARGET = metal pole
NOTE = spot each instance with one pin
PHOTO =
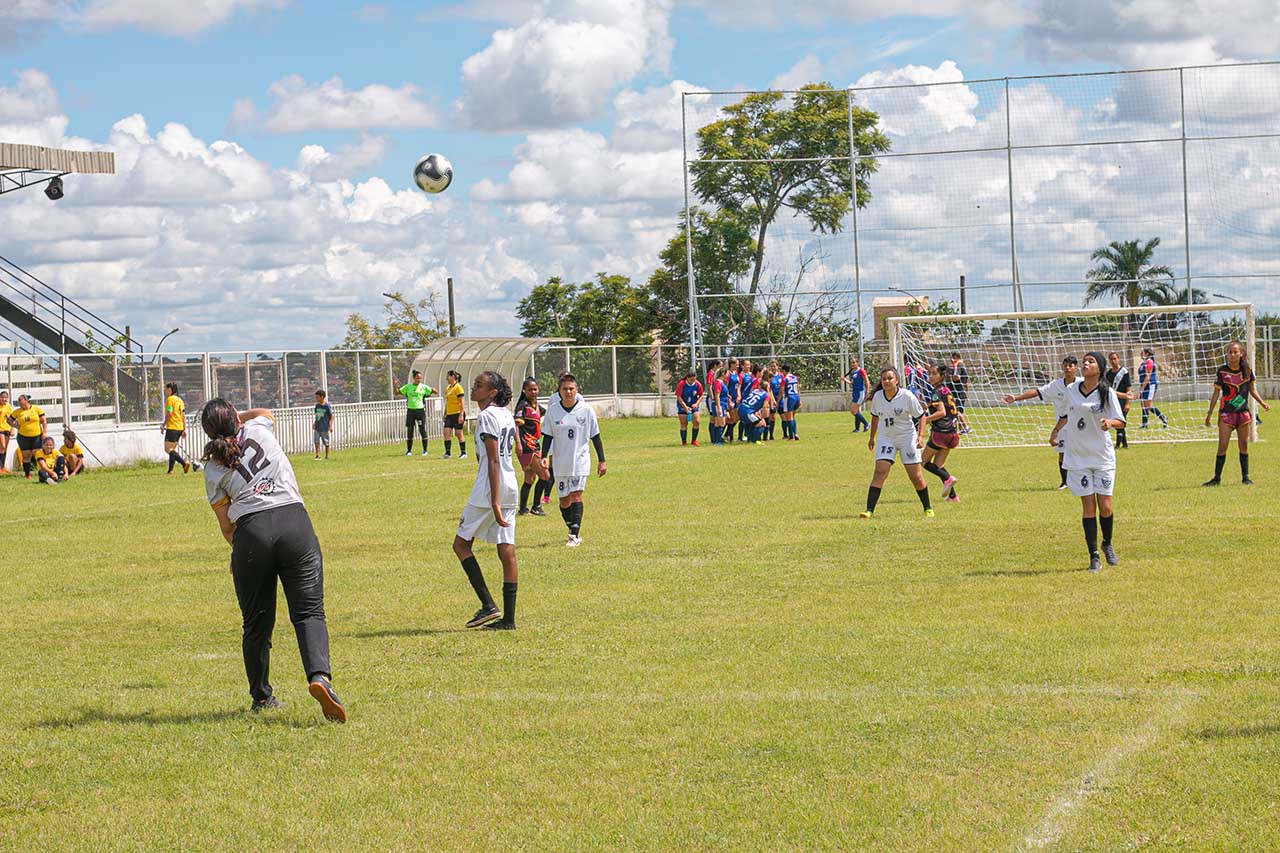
(207, 378)
(1186, 224)
(963, 309)
(853, 189)
(453, 326)
(115, 384)
(324, 372)
(1013, 240)
(658, 378)
(248, 383)
(391, 376)
(284, 378)
(359, 379)
(64, 369)
(688, 242)
(1251, 341)
(614, 358)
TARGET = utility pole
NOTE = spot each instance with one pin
(453, 326)
(962, 303)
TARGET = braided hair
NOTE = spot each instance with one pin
(221, 423)
(500, 385)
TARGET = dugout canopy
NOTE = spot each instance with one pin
(470, 356)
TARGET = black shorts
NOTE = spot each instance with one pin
(415, 416)
(173, 435)
(30, 443)
(454, 421)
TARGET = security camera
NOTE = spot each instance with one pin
(54, 190)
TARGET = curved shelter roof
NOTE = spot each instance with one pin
(469, 356)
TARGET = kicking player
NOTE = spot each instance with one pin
(254, 494)
(1148, 385)
(689, 406)
(944, 421)
(1120, 381)
(572, 427)
(528, 417)
(1055, 394)
(1234, 386)
(899, 413)
(858, 384)
(1093, 409)
(490, 511)
(789, 403)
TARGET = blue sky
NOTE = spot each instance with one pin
(311, 214)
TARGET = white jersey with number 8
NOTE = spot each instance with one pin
(571, 431)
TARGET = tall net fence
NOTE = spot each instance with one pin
(1012, 183)
(1168, 360)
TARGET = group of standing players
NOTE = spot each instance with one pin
(743, 398)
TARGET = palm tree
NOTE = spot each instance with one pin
(1125, 270)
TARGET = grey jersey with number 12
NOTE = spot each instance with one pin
(263, 479)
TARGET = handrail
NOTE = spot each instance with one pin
(60, 307)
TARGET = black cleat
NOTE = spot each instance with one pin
(1095, 565)
(268, 704)
(484, 616)
(322, 691)
(1110, 554)
(500, 625)
(524, 510)
(1214, 482)
(537, 510)
(1246, 482)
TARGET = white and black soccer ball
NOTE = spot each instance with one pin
(433, 174)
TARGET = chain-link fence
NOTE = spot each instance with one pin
(1009, 185)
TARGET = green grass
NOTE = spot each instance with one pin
(806, 681)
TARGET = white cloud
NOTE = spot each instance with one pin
(324, 165)
(561, 65)
(807, 70)
(162, 16)
(298, 106)
(768, 14)
(29, 111)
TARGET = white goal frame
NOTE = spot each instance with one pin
(895, 325)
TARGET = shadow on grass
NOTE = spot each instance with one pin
(405, 632)
(1223, 732)
(92, 716)
(1021, 573)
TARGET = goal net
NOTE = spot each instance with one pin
(1006, 353)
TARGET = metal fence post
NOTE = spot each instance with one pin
(324, 370)
(64, 365)
(853, 188)
(207, 378)
(567, 365)
(391, 381)
(248, 383)
(284, 378)
(658, 379)
(359, 380)
(115, 384)
(614, 352)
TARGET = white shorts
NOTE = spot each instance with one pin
(478, 522)
(1091, 481)
(566, 486)
(905, 447)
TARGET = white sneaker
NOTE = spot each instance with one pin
(408, 453)
(572, 541)
(424, 453)
(55, 482)
(462, 455)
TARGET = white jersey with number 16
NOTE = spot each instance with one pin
(495, 422)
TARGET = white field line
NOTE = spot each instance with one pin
(1061, 813)
(125, 508)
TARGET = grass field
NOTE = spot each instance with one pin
(731, 660)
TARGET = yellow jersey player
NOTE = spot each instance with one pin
(455, 417)
(50, 465)
(6, 429)
(30, 421)
(72, 454)
(175, 424)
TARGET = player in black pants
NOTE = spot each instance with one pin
(254, 494)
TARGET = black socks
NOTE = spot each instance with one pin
(448, 447)
(684, 436)
(695, 433)
(1062, 472)
(462, 446)
(873, 497)
(572, 515)
(923, 495)
(524, 496)
(1106, 522)
(472, 567)
(1244, 466)
(509, 602)
(1091, 535)
(1217, 466)
(539, 489)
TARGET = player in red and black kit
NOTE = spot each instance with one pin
(1234, 386)
(528, 416)
(943, 417)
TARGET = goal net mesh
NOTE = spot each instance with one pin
(1009, 353)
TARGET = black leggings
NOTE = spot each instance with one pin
(419, 417)
(279, 543)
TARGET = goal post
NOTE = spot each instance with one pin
(1010, 352)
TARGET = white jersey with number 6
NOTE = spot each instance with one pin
(897, 415)
(496, 422)
(1088, 444)
(571, 431)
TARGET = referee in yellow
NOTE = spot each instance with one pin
(175, 424)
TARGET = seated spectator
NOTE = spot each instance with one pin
(72, 454)
(50, 464)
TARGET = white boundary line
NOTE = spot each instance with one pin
(1060, 815)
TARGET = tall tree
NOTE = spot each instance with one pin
(1124, 269)
(608, 310)
(799, 160)
(410, 324)
(544, 313)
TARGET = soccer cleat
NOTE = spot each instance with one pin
(484, 616)
(462, 455)
(268, 704)
(408, 453)
(1110, 554)
(1212, 482)
(322, 691)
(186, 467)
(1246, 482)
(537, 510)
(947, 485)
(866, 513)
(684, 444)
(1095, 565)
(447, 456)
(316, 458)
(195, 466)
(546, 499)
(51, 482)
(572, 541)
(928, 513)
(500, 625)
(1061, 486)
(424, 453)
(524, 510)
(952, 498)
(695, 442)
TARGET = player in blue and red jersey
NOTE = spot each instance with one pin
(753, 410)
(859, 393)
(789, 403)
(746, 384)
(775, 377)
(688, 405)
(942, 414)
(1148, 385)
(733, 390)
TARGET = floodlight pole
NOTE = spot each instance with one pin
(853, 192)
(688, 242)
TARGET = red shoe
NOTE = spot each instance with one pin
(695, 442)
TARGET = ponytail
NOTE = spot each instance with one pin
(221, 424)
(502, 388)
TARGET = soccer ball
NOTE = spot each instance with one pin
(433, 174)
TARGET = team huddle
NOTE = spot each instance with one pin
(749, 398)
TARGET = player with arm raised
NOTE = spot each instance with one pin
(1054, 393)
(1093, 409)
(254, 494)
(571, 423)
(897, 429)
(689, 406)
(943, 417)
(490, 511)
(1233, 387)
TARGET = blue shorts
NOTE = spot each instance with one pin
(1149, 393)
(791, 403)
(858, 397)
(687, 412)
